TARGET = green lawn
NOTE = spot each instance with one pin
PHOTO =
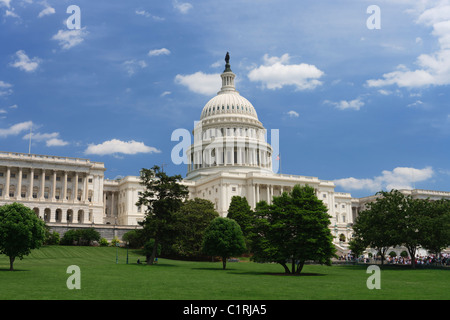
(42, 275)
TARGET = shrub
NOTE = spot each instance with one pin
(80, 237)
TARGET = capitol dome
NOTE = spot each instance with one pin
(229, 136)
(228, 103)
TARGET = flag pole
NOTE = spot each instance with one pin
(29, 145)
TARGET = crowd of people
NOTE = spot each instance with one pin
(428, 260)
(443, 260)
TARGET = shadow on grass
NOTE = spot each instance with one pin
(15, 270)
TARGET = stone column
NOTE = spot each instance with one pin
(19, 185)
(112, 205)
(257, 193)
(8, 181)
(30, 187)
(42, 185)
(75, 198)
(54, 186)
(65, 187)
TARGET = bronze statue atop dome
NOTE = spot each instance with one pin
(227, 65)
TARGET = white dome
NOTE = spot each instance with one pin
(227, 103)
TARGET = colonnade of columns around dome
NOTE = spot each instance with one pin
(238, 146)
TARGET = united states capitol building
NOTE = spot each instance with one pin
(230, 157)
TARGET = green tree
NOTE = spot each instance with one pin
(223, 238)
(294, 228)
(192, 219)
(240, 211)
(20, 231)
(162, 197)
(377, 226)
(436, 226)
(134, 238)
(357, 246)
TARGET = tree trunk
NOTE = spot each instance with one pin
(224, 263)
(300, 266)
(286, 269)
(293, 266)
(11, 262)
(412, 254)
(153, 256)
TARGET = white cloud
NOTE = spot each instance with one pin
(399, 178)
(182, 7)
(15, 129)
(165, 93)
(55, 142)
(434, 68)
(47, 11)
(354, 104)
(51, 139)
(132, 65)
(5, 88)
(5, 3)
(148, 15)
(199, 82)
(11, 13)
(115, 146)
(276, 73)
(415, 104)
(24, 63)
(70, 38)
(293, 114)
(158, 52)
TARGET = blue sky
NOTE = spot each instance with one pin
(367, 108)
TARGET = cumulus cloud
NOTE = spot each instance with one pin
(50, 139)
(5, 88)
(47, 11)
(133, 65)
(399, 178)
(24, 63)
(276, 73)
(16, 129)
(158, 52)
(5, 3)
(116, 146)
(148, 15)
(199, 82)
(354, 104)
(434, 68)
(70, 38)
(182, 7)
(293, 114)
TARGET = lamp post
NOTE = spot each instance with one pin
(127, 252)
(117, 252)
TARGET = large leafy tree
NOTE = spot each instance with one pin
(223, 238)
(294, 228)
(436, 226)
(241, 212)
(20, 231)
(375, 226)
(192, 219)
(162, 197)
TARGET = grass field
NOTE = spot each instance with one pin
(43, 275)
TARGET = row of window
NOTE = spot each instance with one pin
(37, 177)
(222, 108)
(24, 192)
